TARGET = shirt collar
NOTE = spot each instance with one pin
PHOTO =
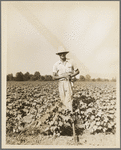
(65, 61)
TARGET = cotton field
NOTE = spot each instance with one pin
(34, 108)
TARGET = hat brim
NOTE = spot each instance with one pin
(62, 52)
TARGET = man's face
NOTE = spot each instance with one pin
(63, 56)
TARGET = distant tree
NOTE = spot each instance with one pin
(19, 76)
(88, 77)
(74, 79)
(10, 77)
(31, 76)
(48, 78)
(106, 80)
(113, 79)
(99, 79)
(42, 78)
(82, 78)
(36, 75)
(94, 80)
(26, 76)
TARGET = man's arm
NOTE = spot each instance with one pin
(56, 77)
(65, 75)
(76, 72)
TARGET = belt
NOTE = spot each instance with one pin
(64, 79)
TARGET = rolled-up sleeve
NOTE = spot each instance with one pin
(74, 66)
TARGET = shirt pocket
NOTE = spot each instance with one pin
(69, 68)
(61, 70)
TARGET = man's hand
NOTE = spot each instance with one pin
(64, 75)
(67, 76)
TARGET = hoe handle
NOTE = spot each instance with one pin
(74, 134)
(73, 126)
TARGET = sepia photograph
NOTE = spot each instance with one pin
(60, 74)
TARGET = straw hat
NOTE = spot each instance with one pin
(61, 50)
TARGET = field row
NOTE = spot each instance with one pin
(35, 107)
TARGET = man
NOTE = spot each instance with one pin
(64, 70)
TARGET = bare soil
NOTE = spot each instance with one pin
(83, 140)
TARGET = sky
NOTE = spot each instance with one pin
(88, 29)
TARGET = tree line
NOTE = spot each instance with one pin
(29, 77)
(38, 77)
(88, 78)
